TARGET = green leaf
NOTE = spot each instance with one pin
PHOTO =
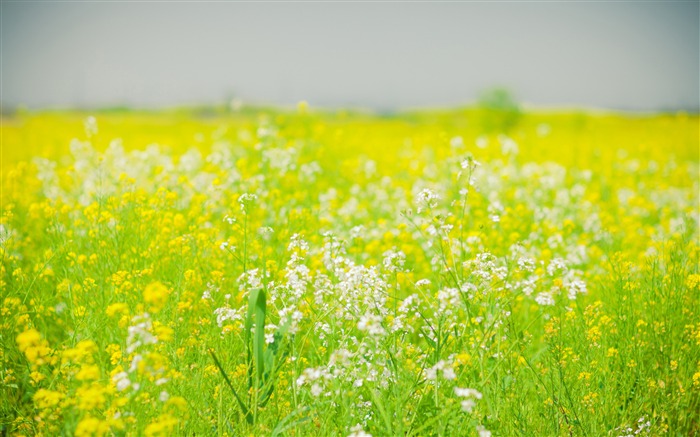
(260, 311)
(244, 407)
(287, 423)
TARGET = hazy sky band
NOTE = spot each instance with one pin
(632, 55)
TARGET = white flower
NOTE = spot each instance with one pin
(575, 287)
(471, 396)
(394, 261)
(483, 432)
(90, 125)
(468, 405)
(427, 199)
(371, 324)
(545, 299)
(245, 200)
(556, 265)
(446, 368)
(357, 431)
(140, 333)
(467, 393)
(121, 380)
(224, 313)
(508, 146)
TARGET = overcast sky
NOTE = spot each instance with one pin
(631, 55)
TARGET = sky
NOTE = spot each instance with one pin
(640, 56)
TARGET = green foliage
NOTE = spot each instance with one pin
(500, 111)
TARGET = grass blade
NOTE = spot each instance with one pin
(260, 311)
(246, 411)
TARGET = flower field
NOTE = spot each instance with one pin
(311, 273)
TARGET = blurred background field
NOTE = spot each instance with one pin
(580, 137)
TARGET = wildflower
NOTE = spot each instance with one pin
(447, 369)
(508, 146)
(371, 324)
(90, 397)
(427, 199)
(545, 299)
(118, 308)
(139, 334)
(91, 426)
(28, 339)
(483, 432)
(88, 372)
(246, 200)
(90, 124)
(35, 348)
(468, 405)
(163, 425)
(457, 142)
(156, 295)
(470, 396)
(224, 313)
(121, 381)
(467, 393)
(45, 399)
(357, 431)
(394, 261)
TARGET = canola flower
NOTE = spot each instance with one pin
(351, 274)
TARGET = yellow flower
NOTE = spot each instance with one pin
(164, 425)
(36, 377)
(34, 347)
(91, 426)
(177, 403)
(90, 397)
(118, 308)
(115, 353)
(156, 295)
(28, 339)
(463, 358)
(89, 372)
(45, 399)
(163, 333)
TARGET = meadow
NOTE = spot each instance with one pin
(339, 273)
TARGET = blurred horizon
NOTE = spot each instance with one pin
(642, 57)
